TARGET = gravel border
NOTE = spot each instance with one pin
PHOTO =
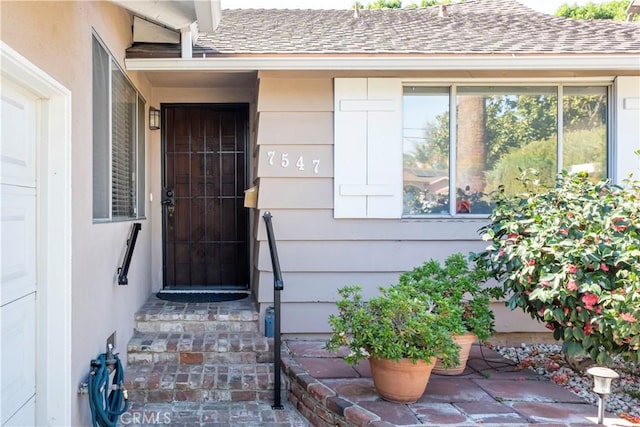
(548, 360)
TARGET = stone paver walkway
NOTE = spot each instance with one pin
(208, 365)
(491, 391)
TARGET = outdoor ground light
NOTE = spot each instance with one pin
(602, 378)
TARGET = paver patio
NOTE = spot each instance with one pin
(491, 391)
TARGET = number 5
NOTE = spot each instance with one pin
(285, 160)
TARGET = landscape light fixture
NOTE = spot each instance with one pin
(154, 119)
(602, 378)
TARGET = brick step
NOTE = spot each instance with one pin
(173, 382)
(199, 347)
(165, 316)
(208, 414)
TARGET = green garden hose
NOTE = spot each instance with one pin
(107, 402)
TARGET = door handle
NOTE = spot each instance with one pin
(169, 200)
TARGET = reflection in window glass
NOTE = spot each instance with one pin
(123, 146)
(500, 131)
(425, 139)
(584, 122)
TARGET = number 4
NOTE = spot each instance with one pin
(300, 163)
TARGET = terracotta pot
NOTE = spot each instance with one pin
(402, 381)
(464, 341)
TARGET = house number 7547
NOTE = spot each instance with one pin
(284, 161)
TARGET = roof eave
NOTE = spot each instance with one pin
(178, 15)
(626, 62)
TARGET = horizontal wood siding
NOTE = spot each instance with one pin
(290, 193)
(295, 95)
(358, 256)
(295, 161)
(294, 127)
(309, 286)
(319, 254)
(326, 228)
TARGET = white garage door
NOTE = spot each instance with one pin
(18, 191)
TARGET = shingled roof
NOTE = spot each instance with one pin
(474, 26)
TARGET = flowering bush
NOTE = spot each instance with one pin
(570, 257)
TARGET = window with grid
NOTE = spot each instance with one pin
(118, 141)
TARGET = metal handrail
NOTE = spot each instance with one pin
(131, 244)
(278, 285)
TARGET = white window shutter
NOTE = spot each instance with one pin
(350, 148)
(368, 148)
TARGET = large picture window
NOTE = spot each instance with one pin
(460, 143)
(118, 141)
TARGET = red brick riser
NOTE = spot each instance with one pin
(319, 404)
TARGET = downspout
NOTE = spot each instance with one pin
(187, 38)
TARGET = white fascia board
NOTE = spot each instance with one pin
(392, 63)
(173, 14)
(209, 13)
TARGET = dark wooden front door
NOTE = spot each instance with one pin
(204, 221)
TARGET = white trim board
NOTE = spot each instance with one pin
(392, 63)
(54, 388)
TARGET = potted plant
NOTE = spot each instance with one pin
(457, 285)
(400, 331)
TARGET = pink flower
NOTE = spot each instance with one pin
(604, 267)
(532, 262)
(618, 227)
(560, 379)
(587, 328)
(550, 326)
(628, 317)
(572, 269)
(572, 286)
(589, 300)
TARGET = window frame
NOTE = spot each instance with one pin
(137, 146)
(453, 85)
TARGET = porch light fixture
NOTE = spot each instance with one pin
(602, 378)
(154, 119)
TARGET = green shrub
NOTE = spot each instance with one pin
(570, 257)
(460, 286)
(399, 323)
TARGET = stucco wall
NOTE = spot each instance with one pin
(56, 37)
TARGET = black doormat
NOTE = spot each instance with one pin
(203, 297)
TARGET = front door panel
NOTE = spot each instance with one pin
(205, 222)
